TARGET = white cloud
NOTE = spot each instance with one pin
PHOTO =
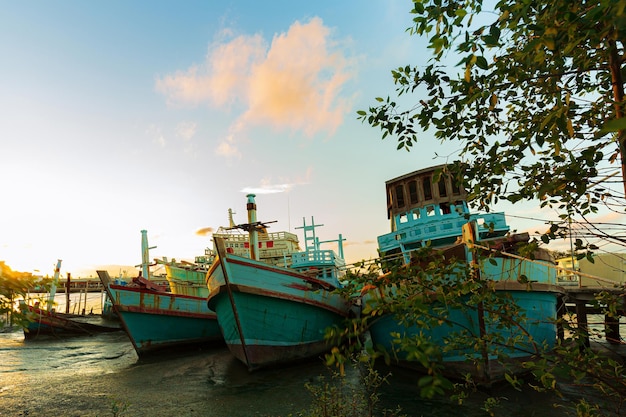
(294, 84)
(268, 186)
(155, 133)
(186, 130)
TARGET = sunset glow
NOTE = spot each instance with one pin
(118, 117)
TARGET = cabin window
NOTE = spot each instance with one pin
(445, 208)
(428, 192)
(456, 190)
(430, 211)
(270, 243)
(442, 188)
(413, 198)
(399, 196)
(415, 215)
(403, 218)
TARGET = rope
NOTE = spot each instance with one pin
(559, 268)
(512, 255)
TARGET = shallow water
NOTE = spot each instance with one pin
(89, 375)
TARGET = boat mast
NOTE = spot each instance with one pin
(339, 241)
(53, 287)
(254, 237)
(311, 243)
(231, 222)
(145, 255)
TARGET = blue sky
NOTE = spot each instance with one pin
(119, 116)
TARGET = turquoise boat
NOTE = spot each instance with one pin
(188, 278)
(271, 314)
(428, 209)
(156, 319)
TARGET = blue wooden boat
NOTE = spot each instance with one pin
(155, 318)
(189, 278)
(428, 208)
(271, 314)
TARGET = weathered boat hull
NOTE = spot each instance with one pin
(537, 333)
(158, 320)
(49, 323)
(270, 315)
(193, 276)
(186, 278)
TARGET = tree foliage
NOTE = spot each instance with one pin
(533, 91)
(433, 294)
(14, 286)
(536, 99)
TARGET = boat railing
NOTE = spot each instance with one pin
(274, 253)
(204, 260)
(440, 227)
(262, 237)
(489, 221)
(318, 257)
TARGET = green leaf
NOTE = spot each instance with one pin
(613, 125)
(481, 62)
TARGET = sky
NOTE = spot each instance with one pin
(122, 116)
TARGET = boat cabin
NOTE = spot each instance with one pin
(429, 207)
(274, 248)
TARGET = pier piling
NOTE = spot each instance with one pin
(582, 299)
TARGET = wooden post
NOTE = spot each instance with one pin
(581, 319)
(560, 310)
(85, 302)
(10, 311)
(67, 294)
(611, 328)
(78, 303)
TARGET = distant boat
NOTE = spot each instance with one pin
(428, 208)
(156, 319)
(188, 278)
(273, 248)
(270, 314)
(51, 323)
(46, 321)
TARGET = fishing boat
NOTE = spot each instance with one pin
(46, 321)
(272, 314)
(155, 318)
(428, 209)
(188, 278)
(51, 323)
(273, 248)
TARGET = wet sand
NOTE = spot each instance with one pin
(91, 376)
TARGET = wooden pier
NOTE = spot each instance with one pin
(583, 301)
(89, 284)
